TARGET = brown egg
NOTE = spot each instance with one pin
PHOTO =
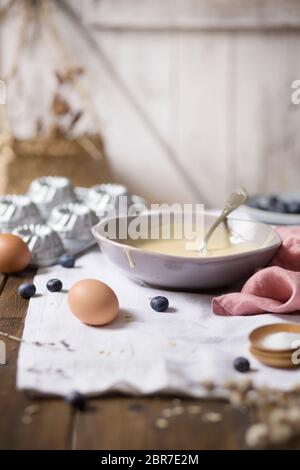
(14, 253)
(93, 302)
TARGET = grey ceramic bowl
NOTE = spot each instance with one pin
(254, 204)
(180, 272)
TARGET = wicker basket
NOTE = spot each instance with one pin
(80, 159)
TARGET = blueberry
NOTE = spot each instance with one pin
(263, 203)
(27, 290)
(293, 207)
(277, 205)
(241, 364)
(76, 400)
(67, 261)
(159, 303)
(272, 201)
(54, 285)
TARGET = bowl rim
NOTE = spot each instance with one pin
(270, 328)
(272, 214)
(204, 260)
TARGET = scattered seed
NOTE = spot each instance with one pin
(128, 318)
(194, 409)
(265, 392)
(26, 419)
(293, 416)
(209, 385)
(178, 410)
(230, 384)
(277, 416)
(212, 417)
(161, 423)
(32, 410)
(257, 436)
(236, 399)
(251, 397)
(289, 416)
(167, 413)
(280, 433)
(244, 385)
(176, 402)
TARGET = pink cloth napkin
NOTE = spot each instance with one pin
(288, 255)
(275, 289)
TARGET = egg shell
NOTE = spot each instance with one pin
(14, 253)
(93, 302)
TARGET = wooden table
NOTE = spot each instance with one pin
(111, 422)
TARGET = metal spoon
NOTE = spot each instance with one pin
(234, 201)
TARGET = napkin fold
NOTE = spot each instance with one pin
(288, 255)
(275, 289)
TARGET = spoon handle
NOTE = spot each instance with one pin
(234, 201)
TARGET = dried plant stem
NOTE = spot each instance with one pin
(63, 344)
(5, 10)
(12, 337)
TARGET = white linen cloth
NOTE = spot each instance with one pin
(143, 351)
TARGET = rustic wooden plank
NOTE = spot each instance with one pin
(107, 420)
(106, 423)
(3, 279)
(48, 429)
(190, 15)
(140, 154)
(17, 431)
(182, 83)
(204, 113)
(176, 113)
(267, 143)
(131, 423)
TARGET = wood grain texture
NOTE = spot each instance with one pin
(187, 115)
(267, 157)
(202, 73)
(112, 422)
(192, 15)
(130, 423)
(142, 120)
(166, 136)
(222, 101)
(51, 426)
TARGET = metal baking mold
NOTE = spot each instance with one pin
(73, 223)
(44, 243)
(17, 210)
(49, 191)
(98, 198)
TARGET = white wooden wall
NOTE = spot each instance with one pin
(193, 96)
